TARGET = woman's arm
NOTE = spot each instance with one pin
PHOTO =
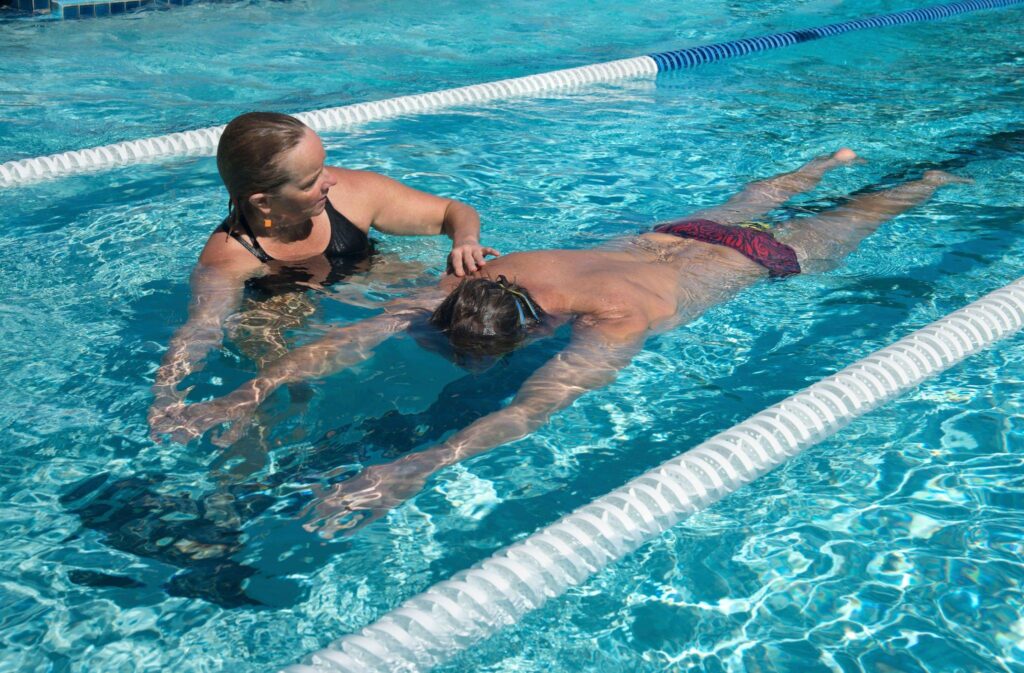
(589, 362)
(216, 293)
(401, 210)
(461, 223)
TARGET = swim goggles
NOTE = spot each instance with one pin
(520, 299)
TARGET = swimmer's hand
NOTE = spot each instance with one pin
(363, 499)
(468, 257)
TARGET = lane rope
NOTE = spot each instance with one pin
(474, 604)
(203, 142)
(695, 56)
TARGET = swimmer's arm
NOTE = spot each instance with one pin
(590, 361)
(346, 346)
(339, 349)
(405, 211)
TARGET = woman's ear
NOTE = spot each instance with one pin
(261, 202)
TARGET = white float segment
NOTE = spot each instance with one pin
(478, 602)
(203, 142)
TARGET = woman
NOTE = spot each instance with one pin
(285, 233)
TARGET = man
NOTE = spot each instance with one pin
(615, 296)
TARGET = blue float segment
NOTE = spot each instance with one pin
(690, 57)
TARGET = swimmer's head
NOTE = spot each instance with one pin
(487, 317)
(250, 153)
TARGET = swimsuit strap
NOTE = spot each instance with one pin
(346, 238)
(254, 247)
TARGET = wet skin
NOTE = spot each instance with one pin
(628, 287)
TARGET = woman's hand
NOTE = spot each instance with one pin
(168, 403)
(187, 422)
(368, 496)
(468, 256)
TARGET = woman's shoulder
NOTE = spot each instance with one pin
(353, 177)
(224, 250)
(360, 194)
(339, 173)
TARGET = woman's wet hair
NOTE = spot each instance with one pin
(249, 155)
(487, 317)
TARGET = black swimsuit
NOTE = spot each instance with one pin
(348, 251)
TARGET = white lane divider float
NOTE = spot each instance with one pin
(203, 142)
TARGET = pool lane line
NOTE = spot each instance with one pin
(454, 614)
(694, 56)
(203, 142)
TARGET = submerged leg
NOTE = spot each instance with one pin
(821, 241)
(759, 197)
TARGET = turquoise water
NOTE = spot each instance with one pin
(893, 546)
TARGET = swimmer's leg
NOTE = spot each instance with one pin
(760, 197)
(821, 241)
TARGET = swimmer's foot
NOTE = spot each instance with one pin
(844, 156)
(939, 178)
(762, 196)
(774, 191)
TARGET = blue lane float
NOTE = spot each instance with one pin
(203, 142)
(691, 57)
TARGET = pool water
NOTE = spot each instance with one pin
(895, 545)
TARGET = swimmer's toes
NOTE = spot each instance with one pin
(845, 155)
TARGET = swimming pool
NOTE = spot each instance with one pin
(895, 544)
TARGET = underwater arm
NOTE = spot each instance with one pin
(339, 349)
(216, 293)
(586, 364)
(589, 362)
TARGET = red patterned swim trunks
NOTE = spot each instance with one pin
(755, 244)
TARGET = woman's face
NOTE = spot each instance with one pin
(305, 194)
